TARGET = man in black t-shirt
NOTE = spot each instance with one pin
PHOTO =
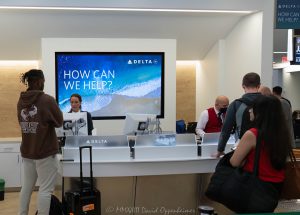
(277, 91)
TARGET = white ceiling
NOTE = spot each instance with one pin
(196, 33)
(22, 30)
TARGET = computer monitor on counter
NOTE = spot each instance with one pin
(136, 123)
(75, 124)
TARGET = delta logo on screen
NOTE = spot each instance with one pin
(139, 61)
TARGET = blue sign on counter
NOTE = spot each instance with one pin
(288, 14)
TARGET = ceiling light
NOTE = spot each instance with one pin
(124, 9)
(19, 62)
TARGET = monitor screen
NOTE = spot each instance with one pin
(138, 123)
(75, 124)
(296, 51)
(111, 83)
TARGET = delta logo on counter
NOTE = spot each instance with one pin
(97, 141)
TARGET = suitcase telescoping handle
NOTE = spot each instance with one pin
(91, 168)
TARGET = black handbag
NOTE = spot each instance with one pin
(240, 191)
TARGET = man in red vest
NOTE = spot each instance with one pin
(211, 120)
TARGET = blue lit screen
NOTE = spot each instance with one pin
(111, 84)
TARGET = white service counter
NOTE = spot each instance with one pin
(149, 159)
(10, 162)
(154, 174)
(142, 167)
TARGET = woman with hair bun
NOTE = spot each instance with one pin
(76, 101)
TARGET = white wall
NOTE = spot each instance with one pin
(229, 60)
(266, 45)
(206, 80)
(107, 127)
(242, 54)
(277, 78)
(291, 88)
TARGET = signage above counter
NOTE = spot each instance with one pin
(287, 14)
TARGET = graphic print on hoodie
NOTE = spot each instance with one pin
(27, 114)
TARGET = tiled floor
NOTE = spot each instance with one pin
(10, 205)
(283, 206)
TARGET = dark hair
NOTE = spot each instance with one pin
(251, 79)
(30, 77)
(277, 90)
(77, 96)
(270, 121)
(295, 115)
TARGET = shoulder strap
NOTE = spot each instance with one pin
(237, 104)
(257, 154)
(288, 101)
(292, 157)
(239, 108)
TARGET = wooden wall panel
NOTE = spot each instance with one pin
(170, 192)
(10, 88)
(186, 92)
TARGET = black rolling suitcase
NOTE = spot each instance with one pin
(86, 200)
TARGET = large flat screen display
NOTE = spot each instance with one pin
(111, 84)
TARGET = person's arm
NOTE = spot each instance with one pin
(90, 123)
(227, 127)
(202, 121)
(54, 113)
(289, 121)
(246, 144)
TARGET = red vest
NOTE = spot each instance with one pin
(213, 124)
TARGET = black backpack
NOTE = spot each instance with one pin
(56, 207)
(180, 126)
(243, 122)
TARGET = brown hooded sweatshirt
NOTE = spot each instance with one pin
(38, 115)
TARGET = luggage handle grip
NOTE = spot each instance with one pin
(91, 169)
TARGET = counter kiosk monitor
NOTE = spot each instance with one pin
(75, 124)
(138, 123)
(211, 138)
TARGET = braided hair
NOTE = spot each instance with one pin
(31, 77)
